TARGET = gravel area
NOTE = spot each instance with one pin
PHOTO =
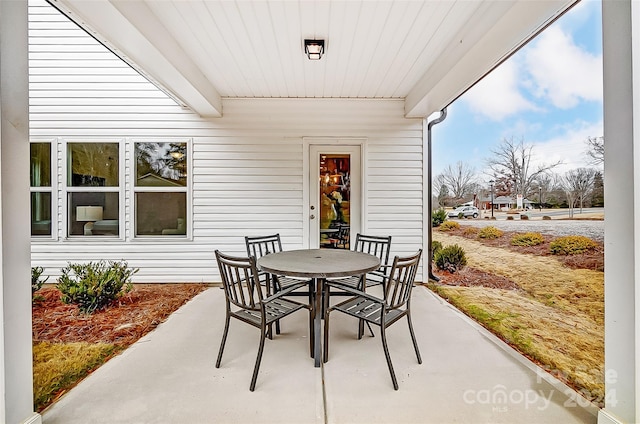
(554, 227)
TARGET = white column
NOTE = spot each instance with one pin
(621, 54)
(16, 402)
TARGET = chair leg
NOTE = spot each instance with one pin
(361, 329)
(383, 336)
(256, 368)
(413, 337)
(223, 341)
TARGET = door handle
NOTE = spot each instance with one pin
(312, 217)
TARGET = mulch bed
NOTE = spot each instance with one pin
(472, 277)
(122, 323)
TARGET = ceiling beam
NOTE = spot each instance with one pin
(143, 42)
(502, 27)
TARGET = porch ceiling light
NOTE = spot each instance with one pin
(314, 49)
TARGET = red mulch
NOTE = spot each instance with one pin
(593, 260)
(470, 277)
(122, 323)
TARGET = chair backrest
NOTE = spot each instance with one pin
(343, 235)
(374, 245)
(401, 279)
(240, 280)
(263, 245)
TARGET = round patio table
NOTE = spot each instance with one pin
(318, 264)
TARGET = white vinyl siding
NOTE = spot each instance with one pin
(247, 167)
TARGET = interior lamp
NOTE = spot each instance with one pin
(88, 214)
(314, 49)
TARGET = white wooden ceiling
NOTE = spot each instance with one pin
(426, 52)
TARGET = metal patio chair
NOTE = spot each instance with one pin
(258, 246)
(374, 245)
(251, 302)
(395, 304)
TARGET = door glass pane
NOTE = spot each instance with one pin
(335, 193)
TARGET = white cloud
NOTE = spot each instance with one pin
(569, 146)
(562, 72)
(497, 96)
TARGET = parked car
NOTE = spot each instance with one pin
(466, 211)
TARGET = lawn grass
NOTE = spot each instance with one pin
(60, 365)
(557, 319)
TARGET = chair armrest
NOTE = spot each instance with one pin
(353, 291)
(284, 292)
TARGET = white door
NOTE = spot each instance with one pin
(335, 195)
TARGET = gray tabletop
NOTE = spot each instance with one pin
(319, 263)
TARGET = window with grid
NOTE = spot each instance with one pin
(160, 188)
(93, 189)
(41, 183)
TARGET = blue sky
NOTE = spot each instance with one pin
(549, 94)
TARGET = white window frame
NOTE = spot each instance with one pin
(184, 189)
(66, 189)
(52, 189)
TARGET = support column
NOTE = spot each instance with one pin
(621, 57)
(16, 400)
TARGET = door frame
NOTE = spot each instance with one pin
(329, 142)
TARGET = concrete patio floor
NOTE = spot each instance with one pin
(467, 375)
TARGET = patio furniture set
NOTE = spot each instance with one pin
(260, 287)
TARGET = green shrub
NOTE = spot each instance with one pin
(450, 258)
(527, 239)
(92, 286)
(435, 246)
(438, 217)
(572, 245)
(449, 225)
(36, 281)
(490, 232)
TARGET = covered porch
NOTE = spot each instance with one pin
(467, 375)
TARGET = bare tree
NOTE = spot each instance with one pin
(459, 179)
(595, 150)
(578, 184)
(544, 183)
(511, 161)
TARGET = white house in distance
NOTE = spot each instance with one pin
(170, 128)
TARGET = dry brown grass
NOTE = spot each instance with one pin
(58, 366)
(555, 315)
(543, 277)
(69, 344)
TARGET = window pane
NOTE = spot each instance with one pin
(161, 164)
(40, 164)
(94, 213)
(40, 214)
(93, 164)
(161, 214)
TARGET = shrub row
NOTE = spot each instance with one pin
(92, 286)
